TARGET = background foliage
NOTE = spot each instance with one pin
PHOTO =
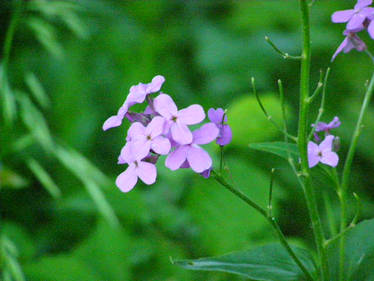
(70, 67)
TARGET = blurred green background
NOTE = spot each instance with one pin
(70, 67)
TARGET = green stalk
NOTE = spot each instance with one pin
(346, 174)
(303, 139)
(268, 217)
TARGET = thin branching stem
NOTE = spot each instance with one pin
(283, 54)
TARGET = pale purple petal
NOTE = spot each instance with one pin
(180, 133)
(216, 115)
(137, 93)
(111, 122)
(362, 4)
(191, 115)
(147, 172)
(357, 43)
(367, 12)
(156, 127)
(356, 22)
(225, 135)
(321, 126)
(165, 106)
(126, 155)
(127, 179)
(342, 16)
(313, 157)
(136, 132)
(176, 158)
(326, 144)
(335, 123)
(330, 158)
(371, 29)
(199, 159)
(161, 145)
(341, 47)
(140, 149)
(156, 84)
(205, 134)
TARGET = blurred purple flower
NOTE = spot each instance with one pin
(218, 117)
(324, 127)
(178, 120)
(356, 17)
(322, 153)
(351, 41)
(137, 94)
(192, 154)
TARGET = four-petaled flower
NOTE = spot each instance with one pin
(218, 117)
(177, 121)
(137, 94)
(192, 155)
(326, 127)
(322, 153)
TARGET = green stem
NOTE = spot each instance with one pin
(269, 218)
(303, 139)
(347, 172)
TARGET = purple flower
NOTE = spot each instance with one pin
(143, 139)
(178, 120)
(355, 17)
(218, 117)
(192, 154)
(324, 127)
(137, 94)
(147, 172)
(351, 41)
(322, 153)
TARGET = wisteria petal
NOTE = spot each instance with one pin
(342, 16)
(147, 172)
(180, 133)
(165, 106)
(156, 127)
(205, 134)
(326, 144)
(112, 122)
(216, 115)
(356, 22)
(161, 145)
(127, 179)
(225, 135)
(330, 158)
(156, 84)
(362, 4)
(199, 159)
(191, 115)
(177, 157)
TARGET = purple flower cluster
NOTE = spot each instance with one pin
(162, 129)
(357, 19)
(323, 152)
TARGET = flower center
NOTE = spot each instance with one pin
(320, 153)
(149, 137)
(174, 118)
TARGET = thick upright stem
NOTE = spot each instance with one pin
(303, 139)
(269, 218)
(347, 172)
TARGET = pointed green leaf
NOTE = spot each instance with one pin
(266, 263)
(281, 149)
(37, 89)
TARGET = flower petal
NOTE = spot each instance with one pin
(341, 47)
(330, 158)
(137, 93)
(335, 123)
(147, 172)
(180, 133)
(205, 134)
(225, 135)
(156, 84)
(140, 149)
(165, 106)
(326, 144)
(313, 157)
(161, 145)
(127, 179)
(199, 159)
(111, 122)
(155, 127)
(193, 114)
(216, 115)
(126, 155)
(136, 132)
(356, 22)
(176, 158)
(371, 29)
(362, 4)
(342, 16)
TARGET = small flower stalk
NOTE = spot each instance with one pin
(162, 129)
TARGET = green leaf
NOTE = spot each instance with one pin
(266, 263)
(44, 178)
(281, 149)
(37, 89)
(9, 101)
(359, 258)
